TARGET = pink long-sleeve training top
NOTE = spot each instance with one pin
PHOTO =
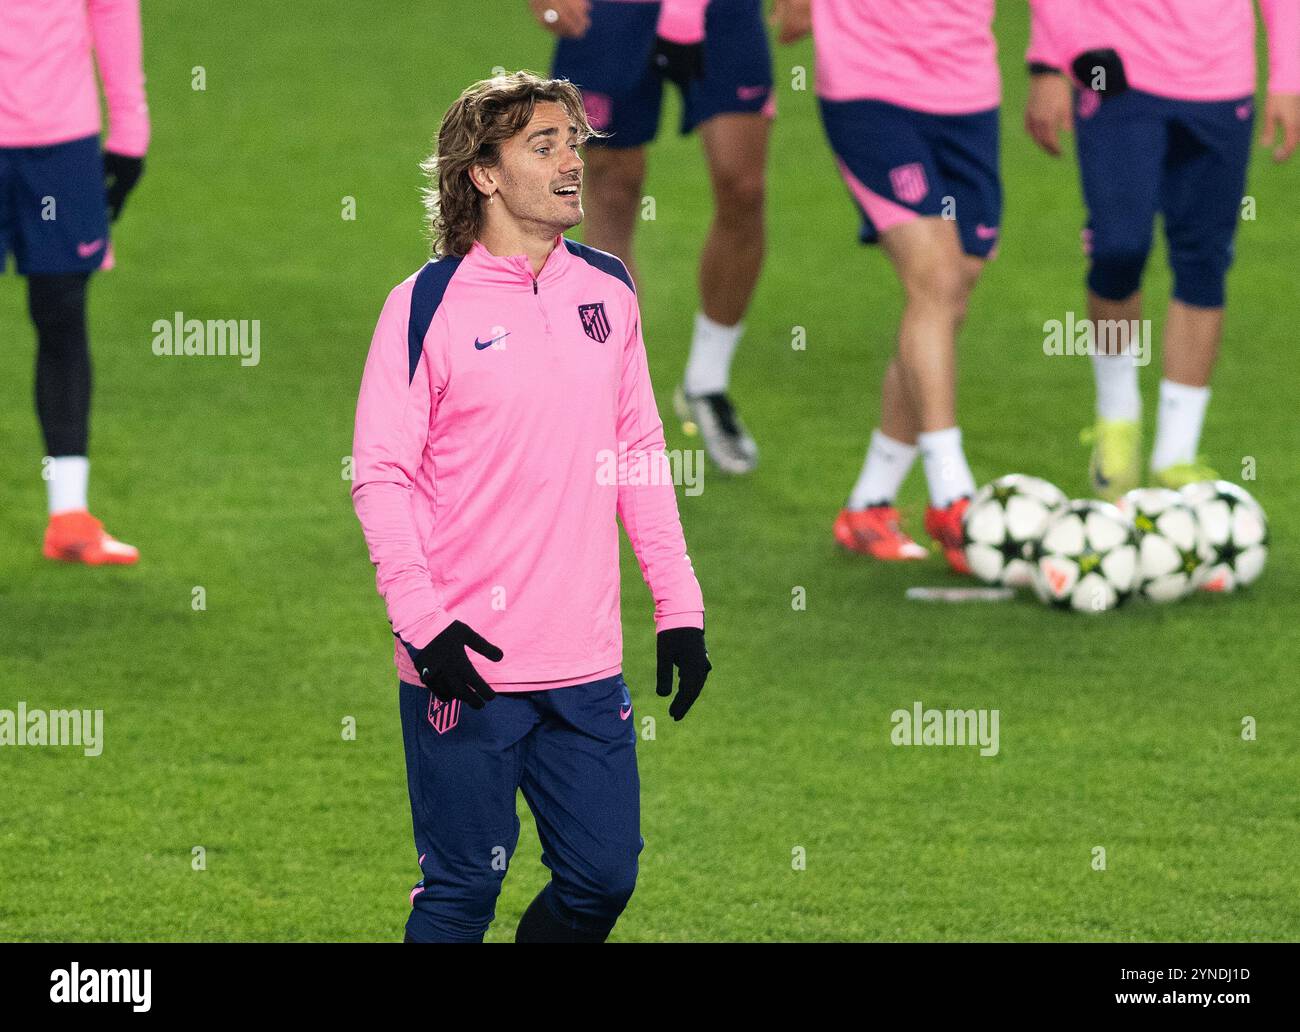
(494, 454)
(1180, 49)
(48, 53)
(937, 56)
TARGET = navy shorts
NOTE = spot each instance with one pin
(900, 164)
(622, 93)
(53, 215)
(1140, 154)
(572, 752)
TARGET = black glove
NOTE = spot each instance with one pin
(679, 62)
(446, 670)
(682, 647)
(120, 176)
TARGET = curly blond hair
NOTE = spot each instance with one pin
(484, 116)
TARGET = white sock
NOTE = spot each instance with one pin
(946, 472)
(69, 475)
(708, 370)
(1178, 424)
(887, 465)
(1117, 387)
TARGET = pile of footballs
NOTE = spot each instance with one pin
(1086, 555)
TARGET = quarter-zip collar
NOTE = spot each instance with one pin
(488, 269)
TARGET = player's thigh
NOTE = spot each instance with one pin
(1121, 146)
(61, 221)
(886, 163)
(735, 147)
(611, 66)
(966, 149)
(463, 768)
(737, 66)
(927, 256)
(1205, 179)
(614, 176)
(581, 782)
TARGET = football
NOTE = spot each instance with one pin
(1234, 532)
(1001, 524)
(1170, 549)
(1087, 558)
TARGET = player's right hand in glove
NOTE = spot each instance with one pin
(683, 648)
(678, 62)
(121, 173)
(446, 670)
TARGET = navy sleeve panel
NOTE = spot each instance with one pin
(430, 286)
(601, 260)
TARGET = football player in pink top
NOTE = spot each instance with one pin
(506, 422)
(909, 96)
(620, 53)
(1163, 99)
(58, 192)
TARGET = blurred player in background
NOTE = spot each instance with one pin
(58, 192)
(619, 53)
(909, 98)
(498, 377)
(1163, 123)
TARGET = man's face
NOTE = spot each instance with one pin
(540, 176)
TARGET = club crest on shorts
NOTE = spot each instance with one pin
(594, 321)
(443, 716)
(909, 182)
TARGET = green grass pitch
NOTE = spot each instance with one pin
(223, 727)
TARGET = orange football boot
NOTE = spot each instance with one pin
(874, 531)
(77, 537)
(944, 525)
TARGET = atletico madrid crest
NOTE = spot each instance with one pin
(594, 321)
(443, 715)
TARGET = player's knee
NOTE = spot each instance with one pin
(1116, 272)
(454, 913)
(615, 179)
(603, 894)
(57, 304)
(739, 192)
(938, 283)
(1200, 276)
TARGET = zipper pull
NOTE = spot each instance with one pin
(534, 286)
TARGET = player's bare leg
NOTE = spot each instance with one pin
(735, 146)
(1191, 347)
(611, 197)
(918, 403)
(937, 280)
(1116, 437)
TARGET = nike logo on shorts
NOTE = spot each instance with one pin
(86, 250)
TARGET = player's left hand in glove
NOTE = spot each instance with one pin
(678, 62)
(445, 668)
(682, 647)
(121, 173)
